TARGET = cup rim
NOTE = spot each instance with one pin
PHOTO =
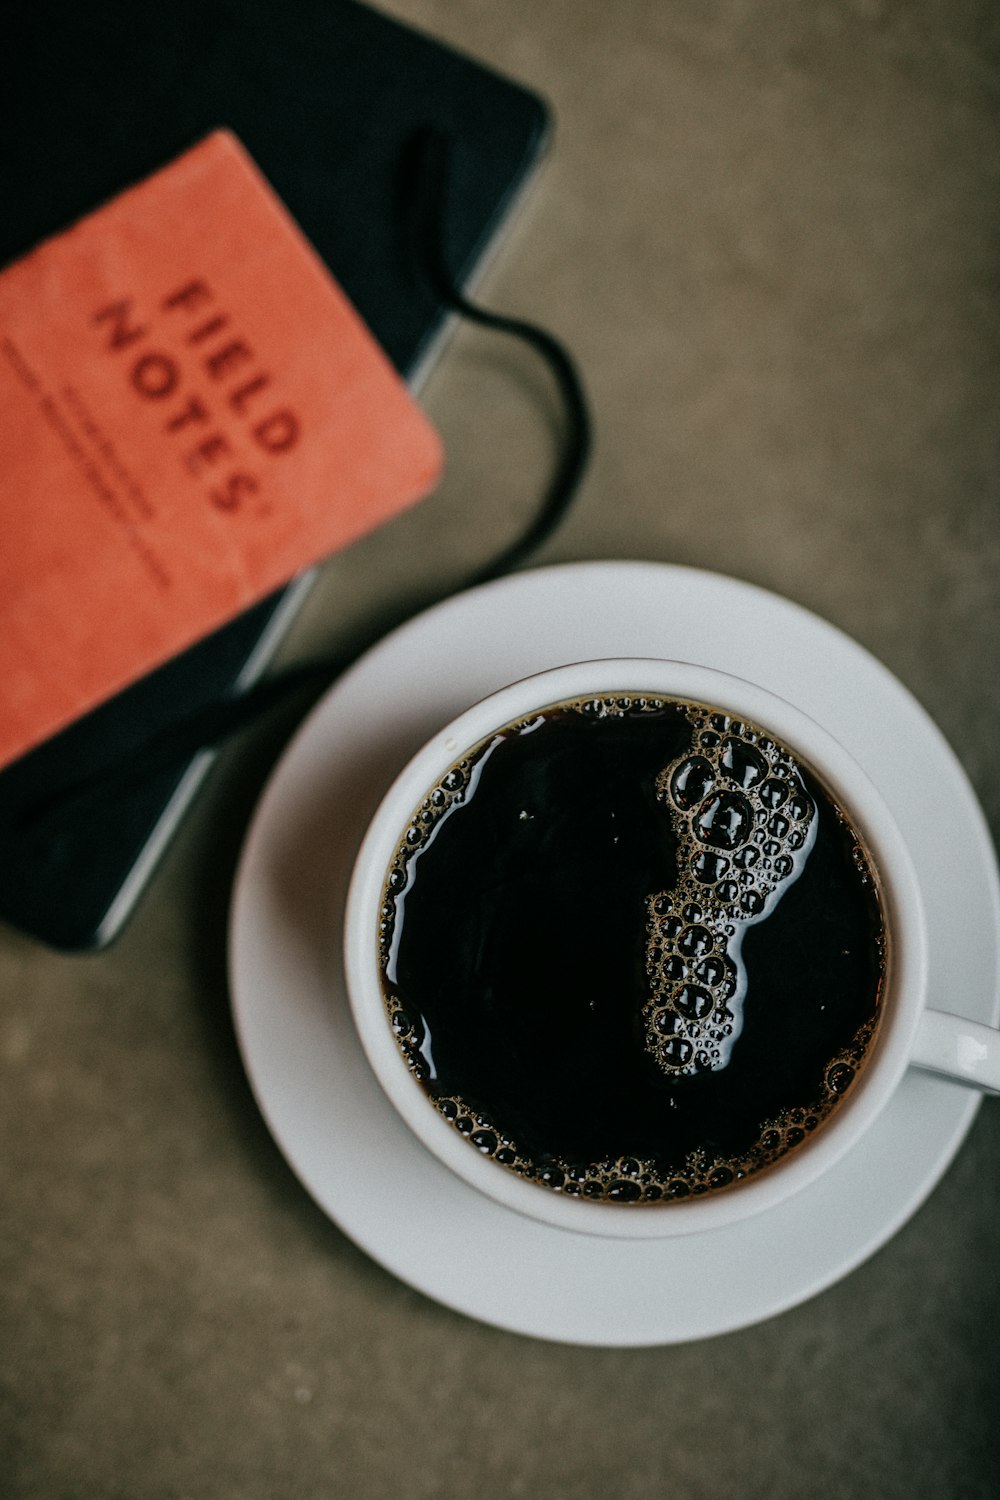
(905, 922)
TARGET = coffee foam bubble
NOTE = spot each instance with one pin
(745, 826)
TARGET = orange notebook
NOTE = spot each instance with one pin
(191, 412)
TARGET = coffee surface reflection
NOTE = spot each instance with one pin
(633, 949)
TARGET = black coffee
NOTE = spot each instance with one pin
(633, 949)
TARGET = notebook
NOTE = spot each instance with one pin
(192, 413)
(326, 96)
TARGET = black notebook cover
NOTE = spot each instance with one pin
(326, 95)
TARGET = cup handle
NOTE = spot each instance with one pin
(964, 1050)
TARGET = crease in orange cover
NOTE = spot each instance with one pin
(191, 413)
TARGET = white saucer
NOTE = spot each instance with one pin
(311, 1080)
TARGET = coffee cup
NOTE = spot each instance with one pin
(635, 948)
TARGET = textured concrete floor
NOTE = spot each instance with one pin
(770, 233)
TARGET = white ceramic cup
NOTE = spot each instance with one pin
(909, 1033)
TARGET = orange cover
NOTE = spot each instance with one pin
(191, 412)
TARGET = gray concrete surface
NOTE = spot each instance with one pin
(769, 232)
